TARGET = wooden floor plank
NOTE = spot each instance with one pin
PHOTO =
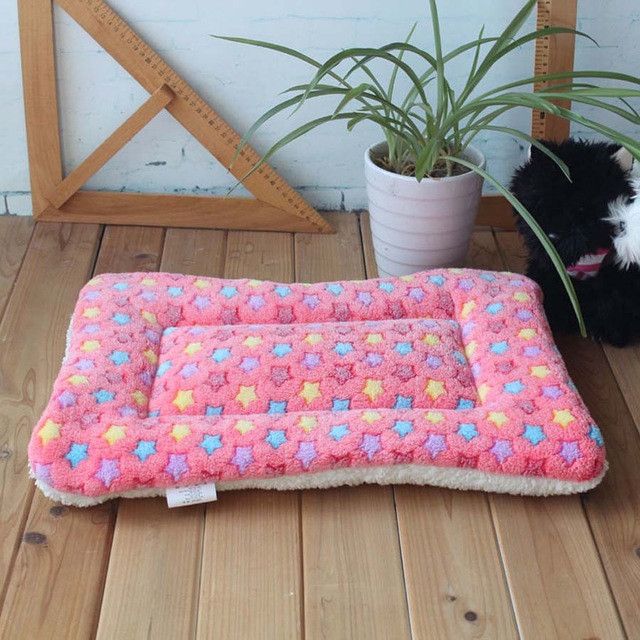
(250, 584)
(160, 598)
(555, 572)
(58, 262)
(353, 580)
(15, 233)
(455, 582)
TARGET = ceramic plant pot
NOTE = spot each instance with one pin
(419, 225)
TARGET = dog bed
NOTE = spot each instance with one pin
(447, 377)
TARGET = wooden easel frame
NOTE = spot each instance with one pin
(276, 207)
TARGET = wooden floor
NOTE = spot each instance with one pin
(366, 562)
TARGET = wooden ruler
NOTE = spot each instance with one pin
(277, 205)
(553, 54)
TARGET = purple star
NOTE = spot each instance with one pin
(365, 298)
(127, 410)
(502, 450)
(552, 391)
(306, 454)
(201, 302)
(67, 399)
(524, 314)
(84, 364)
(242, 458)
(108, 471)
(311, 360)
(43, 472)
(467, 328)
(256, 302)
(531, 352)
(249, 364)
(145, 378)
(148, 295)
(91, 295)
(189, 370)
(177, 466)
(570, 451)
(312, 301)
(373, 359)
(465, 284)
(152, 335)
(433, 362)
(370, 444)
(91, 328)
(435, 444)
(416, 294)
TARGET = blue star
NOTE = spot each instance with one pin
(276, 406)
(213, 411)
(465, 403)
(174, 292)
(459, 357)
(494, 308)
(403, 427)
(534, 434)
(102, 396)
(500, 347)
(468, 430)
(339, 431)
(220, 355)
(403, 348)
(437, 280)
(210, 443)
(144, 449)
(121, 318)
(403, 402)
(119, 357)
(163, 368)
(276, 438)
(514, 387)
(387, 287)
(229, 291)
(76, 454)
(335, 287)
(342, 348)
(281, 349)
(596, 435)
(340, 404)
(282, 291)
(120, 286)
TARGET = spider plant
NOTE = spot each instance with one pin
(429, 127)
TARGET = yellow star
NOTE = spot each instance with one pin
(313, 338)
(50, 430)
(527, 334)
(252, 341)
(90, 345)
(192, 348)
(246, 395)
(148, 282)
(562, 417)
(434, 417)
(254, 283)
(372, 388)
(434, 389)
(94, 281)
(498, 418)
(374, 338)
(307, 423)
(149, 317)
(521, 296)
(201, 284)
(180, 431)
(540, 371)
(467, 308)
(470, 348)
(183, 399)
(408, 278)
(371, 416)
(139, 398)
(91, 312)
(244, 426)
(76, 380)
(114, 433)
(151, 356)
(310, 391)
(431, 339)
(483, 391)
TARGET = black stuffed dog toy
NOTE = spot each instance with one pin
(594, 223)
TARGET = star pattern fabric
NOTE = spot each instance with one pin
(173, 379)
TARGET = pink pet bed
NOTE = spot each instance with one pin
(447, 377)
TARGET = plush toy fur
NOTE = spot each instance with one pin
(594, 223)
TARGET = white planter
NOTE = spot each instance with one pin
(420, 225)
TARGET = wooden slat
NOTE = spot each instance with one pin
(555, 573)
(250, 585)
(160, 598)
(353, 582)
(151, 107)
(40, 97)
(455, 583)
(164, 210)
(15, 233)
(32, 332)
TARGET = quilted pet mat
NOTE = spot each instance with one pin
(445, 377)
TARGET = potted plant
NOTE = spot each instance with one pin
(425, 179)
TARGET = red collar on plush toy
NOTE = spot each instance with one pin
(588, 265)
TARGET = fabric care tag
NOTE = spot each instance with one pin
(195, 494)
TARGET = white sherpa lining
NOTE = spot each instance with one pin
(449, 478)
